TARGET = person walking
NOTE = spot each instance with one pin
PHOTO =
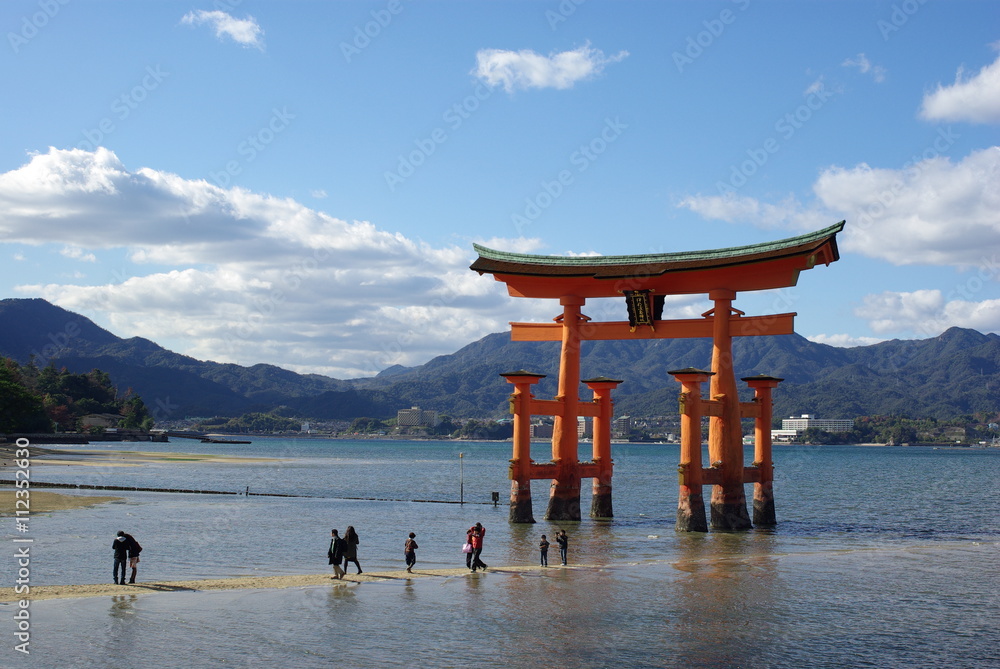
(351, 542)
(543, 548)
(336, 554)
(120, 546)
(133, 556)
(563, 542)
(410, 552)
(475, 535)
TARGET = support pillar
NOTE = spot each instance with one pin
(763, 490)
(725, 434)
(564, 496)
(600, 505)
(520, 464)
(690, 502)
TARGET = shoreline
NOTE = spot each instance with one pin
(80, 591)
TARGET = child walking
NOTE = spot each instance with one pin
(543, 548)
(410, 552)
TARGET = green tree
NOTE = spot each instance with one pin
(364, 425)
(135, 416)
(20, 409)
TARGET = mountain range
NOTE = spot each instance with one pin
(955, 373)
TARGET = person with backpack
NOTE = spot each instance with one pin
(474, 536)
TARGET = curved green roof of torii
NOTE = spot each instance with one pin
(489, 258)
(755, 267)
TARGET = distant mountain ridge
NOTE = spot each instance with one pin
(957, 372)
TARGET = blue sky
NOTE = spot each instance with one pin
(301, 183)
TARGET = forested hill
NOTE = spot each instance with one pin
(955, 373)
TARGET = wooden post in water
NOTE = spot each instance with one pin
(600, 505)
(690, 502)
(763, 488)
(725, 433)
(520, 464)
(564, 496)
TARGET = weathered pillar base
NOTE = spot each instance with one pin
(729, 508)
(763, 505)
(564, 502)
(691, 512)
(600, 505)
(520, 502)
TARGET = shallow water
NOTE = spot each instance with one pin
(882, 557)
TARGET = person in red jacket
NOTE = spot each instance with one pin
(475, 536)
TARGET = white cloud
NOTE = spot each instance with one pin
(843, 340)
(527, 69)
(242, 31)
(927, 312)
(248, 278)
(319, 193)
(976, 99)
(864, 66)
(516, 245)
(815, 87)
(76, 253)
(788, 213)
(19, 256)
(932, 211)
(929, 211)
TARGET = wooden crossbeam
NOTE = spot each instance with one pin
(713, 476)
(740, 326)
(555, 407)
(549, 470)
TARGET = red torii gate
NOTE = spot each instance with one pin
(645, 280)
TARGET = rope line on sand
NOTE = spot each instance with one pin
(247, 493)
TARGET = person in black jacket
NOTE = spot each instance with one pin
(336, 554)
(120, 547)
(563, 542)
(351, 542)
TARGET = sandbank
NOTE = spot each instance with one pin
(95, 458)
(43, 501)
(39, 592)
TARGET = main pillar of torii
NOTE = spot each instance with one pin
(645, 280)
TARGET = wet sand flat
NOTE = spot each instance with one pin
(43, 501)
(243, 583)
(54, 456)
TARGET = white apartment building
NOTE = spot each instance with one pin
(793, 426)
(807, 420)
(415, 417)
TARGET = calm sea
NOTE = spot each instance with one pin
(883, 557)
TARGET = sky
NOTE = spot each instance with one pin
(302, 183)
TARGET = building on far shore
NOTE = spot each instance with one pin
(793, 426)
(415, 417)
(621, 427)
(541, 430)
